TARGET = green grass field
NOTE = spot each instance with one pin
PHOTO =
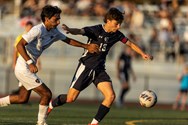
(82, 114)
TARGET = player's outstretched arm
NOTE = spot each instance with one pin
(74, 31)
(92, 48)
(139, 50)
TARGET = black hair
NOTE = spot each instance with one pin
(49, 11)
(29, 23)
(114, 14)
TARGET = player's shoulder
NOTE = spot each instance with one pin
(37, 28)
(98, 26)
(119, 32)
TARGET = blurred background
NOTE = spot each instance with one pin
(160, 27)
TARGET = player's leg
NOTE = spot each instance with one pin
(32, 82)
(124, 78)
(178, 97)
(19, 98)
(183, 101)
(82, 78)
(123, 92)
(63, 99)
(109, 95)
(46, 96)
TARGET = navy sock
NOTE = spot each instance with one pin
(102, 111)
(123, 92)
(60, 100)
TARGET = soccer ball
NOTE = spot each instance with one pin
(148, 98)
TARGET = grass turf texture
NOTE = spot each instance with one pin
(82, 114)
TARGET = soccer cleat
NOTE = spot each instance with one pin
(49, 109)
(92, 124)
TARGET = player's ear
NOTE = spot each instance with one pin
(107, 21)
(47, 19)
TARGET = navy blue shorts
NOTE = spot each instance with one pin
(84, 76)
(184, 91)
(124, 77)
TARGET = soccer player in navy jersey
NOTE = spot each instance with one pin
(91, 67)
(124, 70)
(30, 47)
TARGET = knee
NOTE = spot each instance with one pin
(48, 95)
(111, 97)
(23, 100)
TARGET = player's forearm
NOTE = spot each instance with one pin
(135, 48)
(78, 44)
(75, 31)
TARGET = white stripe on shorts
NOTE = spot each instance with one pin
(78, 73)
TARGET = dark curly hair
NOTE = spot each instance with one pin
(114, 14)
(49, 11)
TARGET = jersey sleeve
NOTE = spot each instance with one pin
(124, 39)
(90, 32)
(61, 35)
(32, 34)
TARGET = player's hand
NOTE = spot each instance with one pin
(66, 28)
(93, 48)
(147, 57)
(33, 68)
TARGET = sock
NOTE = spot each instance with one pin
(94, 121)
(42, 114)
(5, 101)
(50, 105)
(60, 100)
(123, 92)
(102, 111)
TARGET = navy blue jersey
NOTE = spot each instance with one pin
(96, 34)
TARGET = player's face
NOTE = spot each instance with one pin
(28, 27)
(113, 25)
(53, 22)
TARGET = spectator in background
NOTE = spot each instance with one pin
(177, 48)
(124, 69)
(154, 46)
(83, 7)
(137, 19)
(139, 42)
(99, 9)
(183, 48)
(183, 91)
(29, 7)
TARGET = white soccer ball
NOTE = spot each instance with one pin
(148, 98)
